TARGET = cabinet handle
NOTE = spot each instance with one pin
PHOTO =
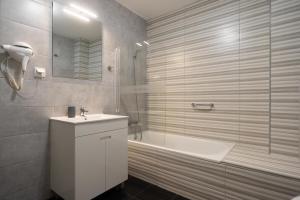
(105, 138)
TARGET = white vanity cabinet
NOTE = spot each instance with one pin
(88, 157)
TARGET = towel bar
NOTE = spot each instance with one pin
(203, 106)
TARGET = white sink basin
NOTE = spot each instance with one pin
(88, 118)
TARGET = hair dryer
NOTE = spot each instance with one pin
(20, 52)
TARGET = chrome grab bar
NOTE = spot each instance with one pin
(203, 106)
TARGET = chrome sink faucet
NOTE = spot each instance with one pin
(83, 111)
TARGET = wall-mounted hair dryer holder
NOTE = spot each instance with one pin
(20, 52)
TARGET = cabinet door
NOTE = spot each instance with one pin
(90, 166)
(116, 158)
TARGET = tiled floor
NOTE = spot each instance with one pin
(136, 189)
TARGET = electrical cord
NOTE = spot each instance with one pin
(4, 68)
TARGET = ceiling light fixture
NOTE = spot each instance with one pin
(76, 15)
(84, 11)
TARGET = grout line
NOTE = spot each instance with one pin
(239, 74)
(25, 133)
(184, 75)
(37, 158)
(270, 77)
(32, 27)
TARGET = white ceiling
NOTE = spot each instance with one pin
(149, 9)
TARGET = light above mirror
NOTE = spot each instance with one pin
(140, 44)
(84, 11)
(70, 12)
(147, 43)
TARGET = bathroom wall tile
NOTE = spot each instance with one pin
(47, 93)
(35, 192)
(196, 182)
(41, 62)
(22, 148)
(34, 93)
(227, 62)
(28, 12)
(92, 102)
(1, 42)
(19, 120)
(6, 181)
(24, 118)
(254, 74)
(29, 96)
(12, 32)
(108, 100)
(195, 52)
(35, 61)
(28, 194)
(285, 49)
(23, 175)
(247, 184)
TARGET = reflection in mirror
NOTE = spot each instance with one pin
(77, 42)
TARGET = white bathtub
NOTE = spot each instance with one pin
(203, 148)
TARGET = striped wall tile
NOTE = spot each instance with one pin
(197, 179)
(88, 60)
(285, 36)
(241, 55)
(254, 66)
(248, 184)
(190, 177)
(243, 155)
(188, 55)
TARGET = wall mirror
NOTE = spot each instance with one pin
(76, 42)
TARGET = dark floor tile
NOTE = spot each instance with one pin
(114, 194)
(134, 186)
(180, 198)
(156, 193)
(54, 196)
(136, 189)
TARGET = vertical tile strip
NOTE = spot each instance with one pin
(285, 74)
(270, 78)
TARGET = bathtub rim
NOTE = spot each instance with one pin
(194, 155)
